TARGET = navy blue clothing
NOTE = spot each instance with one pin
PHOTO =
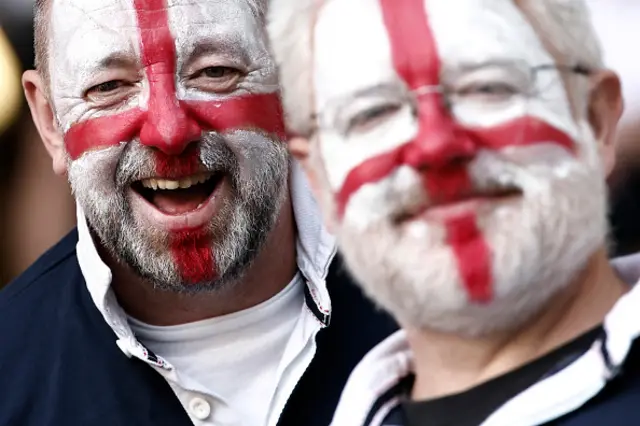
(60, 365)
(618, 404)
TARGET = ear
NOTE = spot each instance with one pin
(44, 119)
(300, 149)
(605, 109)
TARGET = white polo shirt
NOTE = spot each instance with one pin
(315, 251)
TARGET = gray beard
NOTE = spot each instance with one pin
(256, 169)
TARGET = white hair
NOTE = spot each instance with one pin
(565, 24)
(290, 27)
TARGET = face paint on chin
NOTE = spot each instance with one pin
(466, 267)
(255, 174)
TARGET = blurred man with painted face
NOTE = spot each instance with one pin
(460, 151)
(197, 288)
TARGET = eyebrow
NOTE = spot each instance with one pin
(118, 60)
(389, 88)
(227, 46)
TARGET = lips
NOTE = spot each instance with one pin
(177, 204)
(461, 204)
(178, 196)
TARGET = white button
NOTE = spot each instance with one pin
(199, 408)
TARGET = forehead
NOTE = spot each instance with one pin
(465, 32)
(90, 30)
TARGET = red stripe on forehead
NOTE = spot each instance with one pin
(156, 40)
(415, 55)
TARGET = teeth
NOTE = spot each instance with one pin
(175, 184)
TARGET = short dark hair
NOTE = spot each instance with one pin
(41, 36)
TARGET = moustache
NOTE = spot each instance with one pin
(210, 155)
(408, 192)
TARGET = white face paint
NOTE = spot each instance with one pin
(534, 242)
(86, 33)
(136, 84)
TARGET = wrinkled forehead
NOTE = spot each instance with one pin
(351, 55)
(84, 33)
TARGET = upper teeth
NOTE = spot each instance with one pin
(187, 182)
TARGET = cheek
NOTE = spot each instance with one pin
(92, 177)
(103, 132)
(384, 201)
(343, 154)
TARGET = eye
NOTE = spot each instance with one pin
(372, 117)
(109, 93)
(107, 87)
(216, 79)
(218, 72)
(496, 91)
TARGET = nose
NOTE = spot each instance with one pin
(168, 126)
(440, 141)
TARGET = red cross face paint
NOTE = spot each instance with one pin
(453, 158)
(172, 125)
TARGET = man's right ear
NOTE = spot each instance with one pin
(44, 119)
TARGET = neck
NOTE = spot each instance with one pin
(270, 273)
(448, 364)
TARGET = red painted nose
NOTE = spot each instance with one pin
(440, 142)
(169, 128)
(168, 125)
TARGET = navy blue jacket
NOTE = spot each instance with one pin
(60, 366)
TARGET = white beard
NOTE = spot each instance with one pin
(538, 242)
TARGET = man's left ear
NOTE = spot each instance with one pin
(605, 109)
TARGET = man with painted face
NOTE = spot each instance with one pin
(197, 288)
(459, 150)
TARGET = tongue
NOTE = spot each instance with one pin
(179, 201)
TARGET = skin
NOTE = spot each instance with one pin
(534, 307)
(81, 90)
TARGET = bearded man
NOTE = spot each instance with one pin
(460, 151)
(196, 288)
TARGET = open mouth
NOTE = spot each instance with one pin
(181, 196)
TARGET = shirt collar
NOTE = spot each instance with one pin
(366, 394)
(315, 250)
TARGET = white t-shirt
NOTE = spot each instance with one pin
(236, 357)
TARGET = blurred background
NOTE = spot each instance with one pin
(36, 208)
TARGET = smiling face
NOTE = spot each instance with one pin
(171, 122)
(466, 188)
